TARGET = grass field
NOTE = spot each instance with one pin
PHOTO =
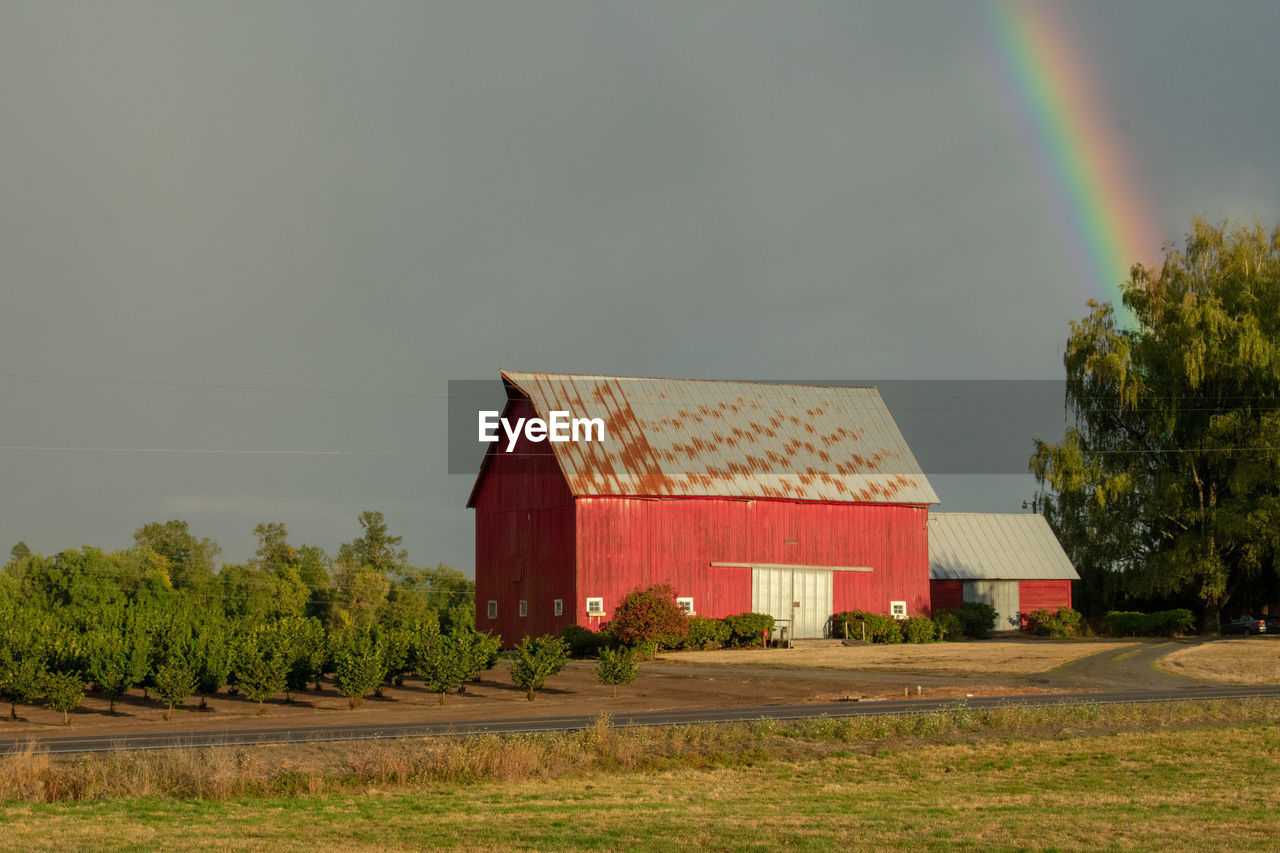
(1253, 660)
(988, 657)
(1018, 779)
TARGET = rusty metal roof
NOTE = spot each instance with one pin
(711, 438)
(995, 546)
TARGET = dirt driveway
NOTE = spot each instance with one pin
(988, 667)
(980, 657)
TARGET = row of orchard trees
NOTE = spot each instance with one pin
(178, 654)
(163, 617)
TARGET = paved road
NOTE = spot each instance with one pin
(305, 734)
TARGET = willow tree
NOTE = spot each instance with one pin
(1168, 481)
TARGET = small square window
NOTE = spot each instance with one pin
(898, 609)
(493, 610)
(685, 605)
(524, 607)
(595, 606)
(559, 606)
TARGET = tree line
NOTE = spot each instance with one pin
(164, 617)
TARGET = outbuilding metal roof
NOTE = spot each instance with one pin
(995, 546)
(706, 438)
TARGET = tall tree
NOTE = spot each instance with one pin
(192, 561)
(442, 591)
(313, 568)
(1169, 478)
(279, 559)
(377, 548)
(366, 567)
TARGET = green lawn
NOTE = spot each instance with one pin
(1169, 790)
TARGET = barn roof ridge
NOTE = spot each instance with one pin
(785, 383)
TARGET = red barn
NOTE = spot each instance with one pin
(1011, 561)
(799, 501)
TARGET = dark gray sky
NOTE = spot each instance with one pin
(284, 226)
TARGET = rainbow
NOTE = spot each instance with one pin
(1073, 146)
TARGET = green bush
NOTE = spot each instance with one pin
(617, 666)
(880, 627)
(175, 682)
(948, 625)
(1063, 623)
(480, 651)
(261, 663)
(440, 662)
(537, 659)
(745, 629)
(359, 664)
(63, 691)
(1163, 623)
(706, 632)
(214, 656)
(583, 642)
(919, 629)
(977, 618)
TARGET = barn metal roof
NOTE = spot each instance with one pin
(711, 438)
(995, 546)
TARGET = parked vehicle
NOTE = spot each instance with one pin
(1273, 624)
(1246, 625)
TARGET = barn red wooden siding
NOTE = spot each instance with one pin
(1043, 595)
(532, 538)
(625, 543)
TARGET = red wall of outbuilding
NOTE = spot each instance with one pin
(1043, 595)
(946, 595)
(624, 543)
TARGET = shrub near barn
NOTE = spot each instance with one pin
(649, 617)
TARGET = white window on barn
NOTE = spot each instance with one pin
(493, 609)
(559, 606)
(685, 605)
(898, 609)
(524, 607)
(595, 606)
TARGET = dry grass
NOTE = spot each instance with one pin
(1152, 790)
(991, 657)
(1253, 660)
(302, 770)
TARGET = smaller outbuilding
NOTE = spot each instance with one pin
(1011, 561)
